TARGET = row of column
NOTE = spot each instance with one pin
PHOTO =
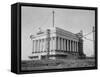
(56, 43)
(41, 45)
(67, 45)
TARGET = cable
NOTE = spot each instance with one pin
(87, 39)
(87, 34)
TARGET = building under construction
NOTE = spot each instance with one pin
(54, 43)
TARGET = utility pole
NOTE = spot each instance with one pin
(53, 18)
(94, 40)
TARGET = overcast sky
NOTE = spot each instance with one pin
(72, 20)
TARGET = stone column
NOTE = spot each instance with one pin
(61, 43)
(44, 46)
(33, 46)
(73, 47)
(67, 45)
(58, 43)
(55, 43)
(36, 46)
(40, 45)
(50, 44)
(64, 45)
(70, 46)
(77, 46)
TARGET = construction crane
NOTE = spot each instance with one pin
(48, 37)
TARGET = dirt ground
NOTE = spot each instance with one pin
(57, 64)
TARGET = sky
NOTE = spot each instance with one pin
(73, 20)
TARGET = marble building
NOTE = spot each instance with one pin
(56, 43)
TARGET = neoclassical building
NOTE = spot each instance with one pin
(56, 43)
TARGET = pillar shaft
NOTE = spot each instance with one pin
(64, 45)
(33, 46)
(61, 44)
(75, 46)
(52, 43)
(44, 46)
(70, 45)
(36, 45)
(55, 43)
(40, 45)
(67, 45)
(58, 43)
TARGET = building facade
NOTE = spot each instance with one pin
(56, 43)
